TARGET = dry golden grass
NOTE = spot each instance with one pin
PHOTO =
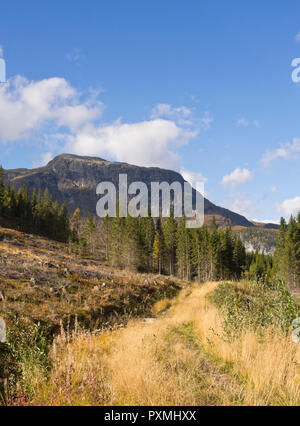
(161, 306)
(179, 359)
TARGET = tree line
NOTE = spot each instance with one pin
(164, 246)
(287, 253)
(285, 264)
(36, 213)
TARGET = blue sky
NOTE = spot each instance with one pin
(201, 87)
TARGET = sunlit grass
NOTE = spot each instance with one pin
(181, 358)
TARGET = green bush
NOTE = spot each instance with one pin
(21, 357)
(254, 306)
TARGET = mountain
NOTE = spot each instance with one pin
(74, 179)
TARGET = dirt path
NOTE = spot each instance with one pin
(159, 362)
(180, 358)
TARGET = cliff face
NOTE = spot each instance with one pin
(74, 179)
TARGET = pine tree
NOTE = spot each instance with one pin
(291, 253)
(159, 247)
(197, 254)
(239, 257)
(116, 241)
(214, 246)
(147, 240)
(279, 261)
(2, 189)
(75, 224)
(106, 235)
(169, 228)
(184, 250)
(131, 243)
(89, 235)
(226, 254)
(63, 224)
(287, 253)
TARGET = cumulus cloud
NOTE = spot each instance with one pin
(147, 143)
(297, 37)
(65, 122)
(237, 177)
(287, 151)
(183, 116)
(289, 207)
(1, 51)
(26, 107)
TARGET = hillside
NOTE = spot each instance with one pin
(74, 179)
(257, 238)
(42, 282)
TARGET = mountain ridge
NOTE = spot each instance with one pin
(74, 179)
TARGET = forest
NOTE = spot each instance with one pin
(163, 246)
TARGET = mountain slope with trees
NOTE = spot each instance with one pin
(74, 179)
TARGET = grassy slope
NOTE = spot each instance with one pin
(43, 283)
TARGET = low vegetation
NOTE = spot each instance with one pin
(183, 357)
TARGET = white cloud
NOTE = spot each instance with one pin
(54, 109)
(193, 177)
(147, 143)
(27, 106)
(43, 160)
(46, 157)
(287, 151)
(242, 122)
(289, 207)
(206, 121)
(267, 221)
(297, 37)
(243, 207)
(237, 177)
(1, 51)
(183, 116)
(167, 111)
(76, 56)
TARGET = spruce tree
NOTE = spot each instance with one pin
(214, 252)
(147, 227)
(2, 188)
(279, 261)
(169, 228)
(184, 250)
(159, 247)
(239, 257)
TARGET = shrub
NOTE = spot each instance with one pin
(254, 306)
(23, 358)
